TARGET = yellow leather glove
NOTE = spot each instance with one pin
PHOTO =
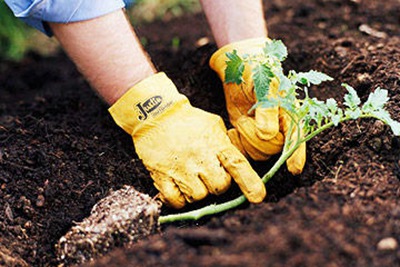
(186, 150)
(262, 133)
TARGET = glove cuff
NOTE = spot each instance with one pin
(247, 46)
(145, 102)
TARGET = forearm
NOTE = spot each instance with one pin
(235, 20)
(107, 52)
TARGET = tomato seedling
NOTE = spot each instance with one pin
(309, 116)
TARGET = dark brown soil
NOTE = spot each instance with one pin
(60, 151)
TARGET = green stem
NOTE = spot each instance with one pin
(199, 213)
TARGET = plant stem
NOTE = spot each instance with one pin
(199, 213)
(218, 208)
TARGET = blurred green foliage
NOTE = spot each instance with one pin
(16, 38)
(150, 10)
(13, 35)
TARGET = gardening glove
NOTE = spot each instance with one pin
(262, 133)
(185, 149)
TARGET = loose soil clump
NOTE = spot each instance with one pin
(60, 151)
(121, 218)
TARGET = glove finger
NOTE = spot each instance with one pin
(191, 186)
(267, 122)
(297, 160)
(215, 178)
(295, 163)
(169, 191)
(247, 179)
(245, 147)
(251, 142)
(234, 136)
(252, 151)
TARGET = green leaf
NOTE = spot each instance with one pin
(262, 75)
(312, 77)
(234, 68)
(382, 114)
(395, 126)
(376, 100)
(277, 49)
(317, 110)
(351, 99)
(336, 119)
(353, 113)
(331, 105)
(285, 85)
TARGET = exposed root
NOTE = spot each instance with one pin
(119, 219)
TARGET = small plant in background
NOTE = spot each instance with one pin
(309, 116)
(13, 35)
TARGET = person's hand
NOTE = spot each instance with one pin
(186, 150)
(261, 133)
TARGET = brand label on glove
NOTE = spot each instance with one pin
(149, 106)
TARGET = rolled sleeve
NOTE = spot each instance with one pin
(37, 12)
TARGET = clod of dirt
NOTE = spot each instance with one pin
(119, 219)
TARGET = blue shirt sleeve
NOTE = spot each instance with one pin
(37, 12)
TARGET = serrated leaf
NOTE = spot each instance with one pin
(336, 119)
(395, 126)
(353, 114)
(285, 85)
(382, 114)
(376, 100)
(317, 110)
(234, 68)
(331, 105)
(320, 106)
(351, 99)
(262, 75)
(277, 49)
(312, 77)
